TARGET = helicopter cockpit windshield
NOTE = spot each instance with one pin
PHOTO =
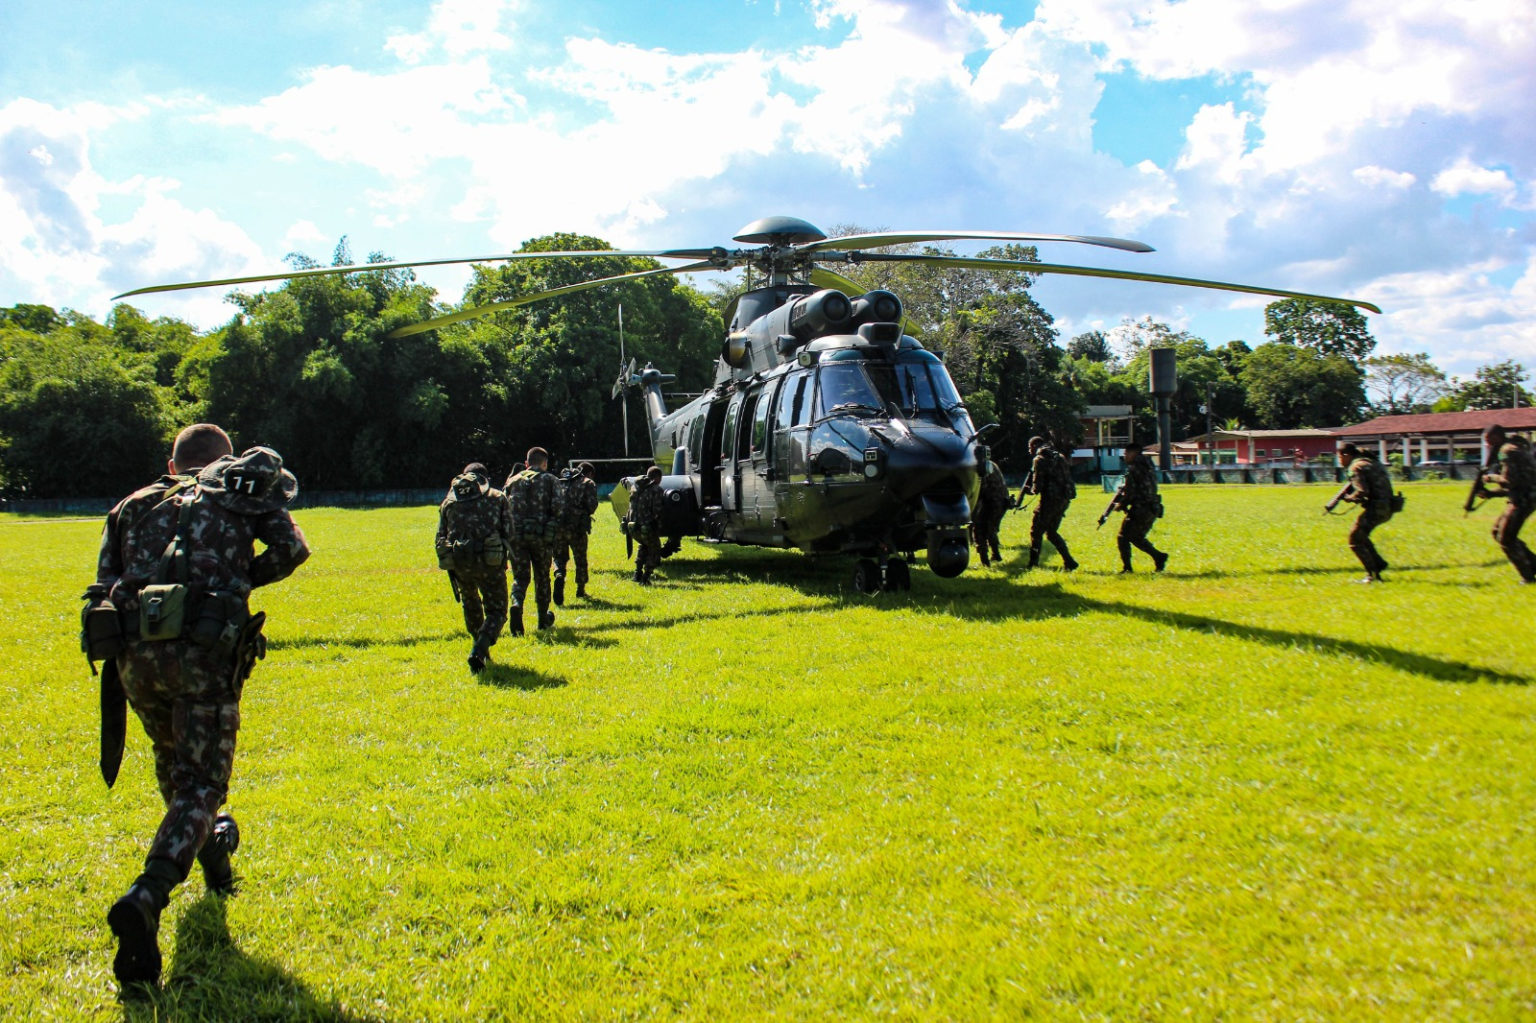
(916, 384)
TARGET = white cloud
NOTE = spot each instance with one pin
(1466, 178)
(458, 28)
(1372, 176)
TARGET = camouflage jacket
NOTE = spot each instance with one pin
(579, 502)
(1373, 486)
(537, 501)
(220, 545)
(478, 517)
(1140, 486)
(1051, 477)
(122, 518)
(1516, 478)
(645, 508)
(994, 491)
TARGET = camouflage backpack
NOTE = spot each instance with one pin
(472, 525)
(538, 503)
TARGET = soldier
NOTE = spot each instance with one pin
(474, 534)
(534, 494)
(1139, 500)
(991, 506)
(1050, 477)
(645, 523)
(1515, 479)
(576, 523)
(177, 566)
(1371, 488)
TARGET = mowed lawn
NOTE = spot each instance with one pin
(1245, 789)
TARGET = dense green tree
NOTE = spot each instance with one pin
(1290, 387)
(1331, 328)
(1092, 346)
(1497, 386)
(1399, 384)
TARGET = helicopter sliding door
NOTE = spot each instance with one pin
(758, 506)
(730, 471)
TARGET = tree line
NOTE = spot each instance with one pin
(89, 409)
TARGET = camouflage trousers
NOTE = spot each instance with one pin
(190, 709)
(530, 560)
(1046, 525)
(1133, 533)
(1506, 533)
(647, 553)
(1360, 537)
(483, 592)
(572, 547)
(984, 528)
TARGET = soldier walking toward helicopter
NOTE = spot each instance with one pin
(1051, 478)
(534, 494)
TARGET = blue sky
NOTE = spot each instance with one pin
(1378, 149)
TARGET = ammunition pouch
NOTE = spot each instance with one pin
(1398, 501)
(1157, 505)
(457, 555)
(101, 627)
(162, 611)
(220, 617)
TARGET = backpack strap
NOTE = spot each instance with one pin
(174, 559)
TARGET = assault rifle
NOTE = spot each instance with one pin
(1114, 502)
(1477, 494)
(1343, 493)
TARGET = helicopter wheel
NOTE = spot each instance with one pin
(866, 576)
(897, 575)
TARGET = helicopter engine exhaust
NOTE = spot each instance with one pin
(876, 307)
(817, 314)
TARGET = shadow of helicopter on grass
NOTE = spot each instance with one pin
(210, 978)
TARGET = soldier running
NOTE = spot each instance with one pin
(991, 506)
(474, 536)
(534, 494)
(1051, 478)
(1371, 488)
(571, 543)
(1514, 479)
(176, 569)
(1139, 500)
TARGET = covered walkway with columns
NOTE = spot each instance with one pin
(1436, 436)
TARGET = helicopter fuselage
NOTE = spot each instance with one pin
(853, 440)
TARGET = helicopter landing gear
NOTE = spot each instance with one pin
(871, 576)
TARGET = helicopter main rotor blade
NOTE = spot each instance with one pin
(824, 278)
(856, 241)
(513, 303)
(357, 268)
(978, 263)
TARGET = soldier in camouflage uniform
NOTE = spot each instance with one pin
(474, 535)
(1138, 499)
(1514, 479)
(535, 497)
(1370, 488)
(1051, 478)
(190, 543)
(576, 523)
(991, 506)
(645, 523)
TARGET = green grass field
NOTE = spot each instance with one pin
(1245, 789)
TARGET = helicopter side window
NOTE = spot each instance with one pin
(760, 423)
(792, 402)
(743, 430)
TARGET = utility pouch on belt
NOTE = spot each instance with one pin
(1398, 500)
(162, 611)
(445, 559)
(493, 553)
(1158, 504)
(101, 628)
(218, 623)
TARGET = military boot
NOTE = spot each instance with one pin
(1034, 557)
(1125, 556)
(546, 618)
(560, 589)
(1159, 560)
(639, 574)
(135, 922)
(581, 590)
(515, 620)
(213, 857)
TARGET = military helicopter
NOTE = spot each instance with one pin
(829, 426)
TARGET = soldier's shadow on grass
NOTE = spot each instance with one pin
(997, 600)
(210, 978)
(514, 676)
(362, 642)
